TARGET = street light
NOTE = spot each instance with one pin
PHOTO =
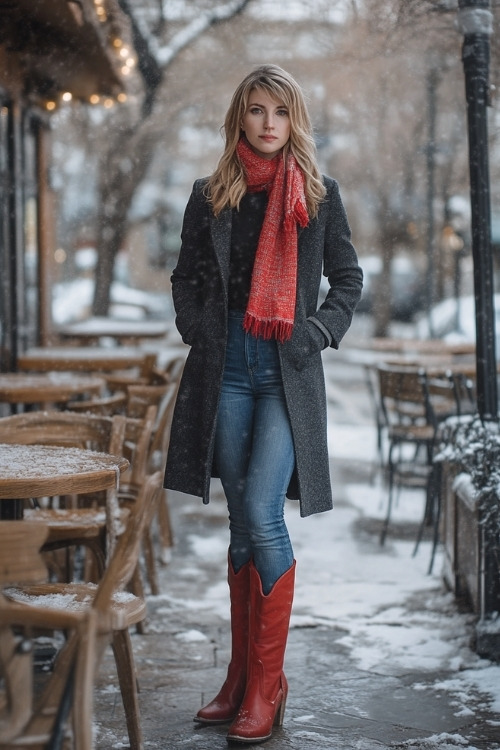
(475, 21)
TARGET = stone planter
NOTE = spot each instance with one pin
(470, 489)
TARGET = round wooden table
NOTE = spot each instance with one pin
(29, 471)
(50, 387)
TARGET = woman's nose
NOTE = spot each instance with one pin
(269, 121)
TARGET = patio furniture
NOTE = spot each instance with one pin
(86, 359)
(115, 612)
(47, 388)
(29, 471)
(122, 331)
(32, 715)
(405, 407)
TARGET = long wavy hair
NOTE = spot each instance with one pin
(227, 185)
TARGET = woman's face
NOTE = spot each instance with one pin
(266, 124)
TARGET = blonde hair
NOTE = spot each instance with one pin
(227, 185)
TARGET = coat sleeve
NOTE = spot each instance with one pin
(188, 277)
(340, 265)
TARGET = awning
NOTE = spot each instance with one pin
(64, 45)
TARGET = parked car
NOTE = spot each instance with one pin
(456, 322)
(407, 286)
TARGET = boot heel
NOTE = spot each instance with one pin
(280, 713)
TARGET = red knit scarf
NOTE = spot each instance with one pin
(271, 305)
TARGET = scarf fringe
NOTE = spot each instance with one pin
(267, 329)
(299, 214)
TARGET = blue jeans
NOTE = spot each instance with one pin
(254, 453)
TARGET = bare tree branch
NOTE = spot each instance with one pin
(196, 27)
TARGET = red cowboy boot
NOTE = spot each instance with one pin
(225, 705)
(265, 697)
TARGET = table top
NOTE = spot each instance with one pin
(97, 327)
(417, 346)
(21, 387)
(80, 358)
(43, 470)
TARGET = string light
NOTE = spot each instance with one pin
(94, 99)
(50, 105)
(122, 97)
(67, 96)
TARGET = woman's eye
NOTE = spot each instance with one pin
(255, 110)
(282, 112)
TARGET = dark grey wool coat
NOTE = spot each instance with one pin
(199, 288)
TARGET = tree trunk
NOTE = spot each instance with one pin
(120, 177)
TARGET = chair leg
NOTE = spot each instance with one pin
(164, 528)
(428, 513)
(122, 649)
(437, 514)
(86, 667)
(136, 587)
(385, 526)
(149, 559)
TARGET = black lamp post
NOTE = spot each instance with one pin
(475, 21)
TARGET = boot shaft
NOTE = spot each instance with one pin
(269, 623)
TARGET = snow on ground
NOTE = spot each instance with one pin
(396, 617)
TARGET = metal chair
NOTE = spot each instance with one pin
(405, 407)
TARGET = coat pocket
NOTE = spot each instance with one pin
(306, 342)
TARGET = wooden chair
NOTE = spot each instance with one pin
(154, 376)
(465, 393)
(36, 716)
(157, 459)
(141, 398)
(405, 406)
(114, 613)
(371, 380)
(105, 405)
(443, 401)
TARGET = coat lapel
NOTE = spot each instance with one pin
(221, 237)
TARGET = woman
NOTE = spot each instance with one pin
(251, 409)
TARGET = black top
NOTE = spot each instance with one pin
(246, 226)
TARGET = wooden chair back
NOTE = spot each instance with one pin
(124, 559)
(402, 394)
(20, 558)
(140, 397)
(442, 401)
(137, 438)
(88, 431)
(104, 406)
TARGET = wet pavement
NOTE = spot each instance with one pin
(335, 701)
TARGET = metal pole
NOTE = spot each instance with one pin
(432, 78)
(475, 22)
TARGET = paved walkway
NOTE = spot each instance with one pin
(338, 699)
